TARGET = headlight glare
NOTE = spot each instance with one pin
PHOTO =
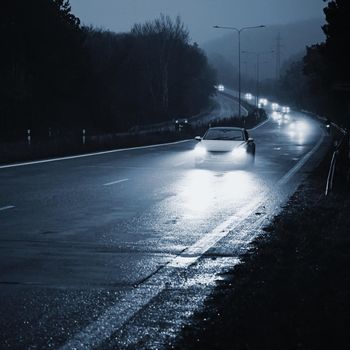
(239, 152)
(199, 151)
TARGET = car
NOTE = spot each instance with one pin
(285, 109)
(275, 106)
(263, 102)
(248, 96)
(182, 124)
(225, 145)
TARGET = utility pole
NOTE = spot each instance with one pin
(245, 80)
(239, 30)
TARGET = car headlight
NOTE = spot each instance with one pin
(239, 152)
(199, 151)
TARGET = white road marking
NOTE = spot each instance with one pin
(193, 253)
(115, 182)
(115, 316)
(261, 124)
(90, 154)
(180, 163)
(298, 165)
(7, 207)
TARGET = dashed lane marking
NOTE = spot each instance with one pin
(7, 207)
(115, 182)
(180, 163)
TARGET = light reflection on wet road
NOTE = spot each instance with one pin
(89, 242)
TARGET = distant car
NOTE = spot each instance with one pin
(248, 96)
(221, 87)
(181, 121)
(225, 145)
(275, 106)
(281, 118)
(263, 102)
(285, 109)
(182, 124)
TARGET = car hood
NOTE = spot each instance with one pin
(220, 145)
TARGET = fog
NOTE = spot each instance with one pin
(292, 42)
(198, 15)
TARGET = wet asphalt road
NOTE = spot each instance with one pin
(225, 107)
(117, 250)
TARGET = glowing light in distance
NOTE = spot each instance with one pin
(263, 101)
(275, 106)
(276, 115)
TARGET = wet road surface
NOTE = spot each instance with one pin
(225, 107)
(118, 250)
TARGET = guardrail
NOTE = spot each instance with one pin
(340, 153)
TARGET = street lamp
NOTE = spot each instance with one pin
(239, 30)
(258, 54)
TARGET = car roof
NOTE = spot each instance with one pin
(226, 127)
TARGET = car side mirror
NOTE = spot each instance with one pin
(198, 138)
(250, 139)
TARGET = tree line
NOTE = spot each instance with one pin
(57, 75)
(320, 81)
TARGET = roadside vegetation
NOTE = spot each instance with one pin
(320, 81)
(58, 77)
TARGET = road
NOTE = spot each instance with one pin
(225, 107)
(117, 250)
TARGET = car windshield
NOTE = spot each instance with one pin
(224, 134)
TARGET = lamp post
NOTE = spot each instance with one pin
(239, 30)
(258, 54)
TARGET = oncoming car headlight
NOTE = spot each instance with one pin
(239, 152)
(199, 151)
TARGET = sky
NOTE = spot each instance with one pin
(198, 15)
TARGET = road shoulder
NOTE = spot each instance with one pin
(292, 289)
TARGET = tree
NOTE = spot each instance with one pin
(56, 74)
(41, 66)
(337, 32)
(327, 64)
(175, 74)
(160, 41)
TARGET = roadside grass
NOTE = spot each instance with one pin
(292, 289)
